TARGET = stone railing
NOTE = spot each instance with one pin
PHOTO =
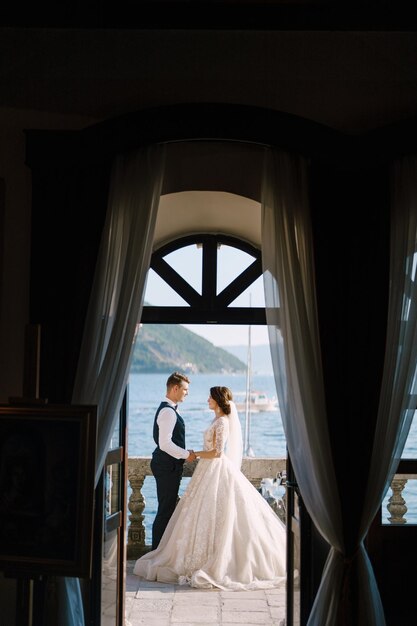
(255, 470)
(397, 506)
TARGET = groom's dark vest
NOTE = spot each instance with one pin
(178, 437)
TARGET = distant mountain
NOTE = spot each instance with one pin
(261, 357)
(168, 347)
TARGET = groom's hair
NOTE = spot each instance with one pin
(176, 378)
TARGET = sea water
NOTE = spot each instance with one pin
(266, 433)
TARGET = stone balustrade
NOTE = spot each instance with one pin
(255, 469)
(396, 506)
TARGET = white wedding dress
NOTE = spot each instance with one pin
(223, 533)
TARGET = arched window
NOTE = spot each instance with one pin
(211, 288)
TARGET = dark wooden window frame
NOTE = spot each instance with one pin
(207, 307)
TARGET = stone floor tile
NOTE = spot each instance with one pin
(193, 614)
(246, 623)
(198, 623)
(246, 617)
(155, 605)
(129, 603)
(182, 599)
(149, 619)
(138, 609)
(276, 601)
(245, 604)
(159, 604)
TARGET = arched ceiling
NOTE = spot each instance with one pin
(211, 187)
(190, 212)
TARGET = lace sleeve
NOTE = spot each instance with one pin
(220, 435)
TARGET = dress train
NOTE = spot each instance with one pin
(222, 534)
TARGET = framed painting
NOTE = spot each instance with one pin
(47, 467)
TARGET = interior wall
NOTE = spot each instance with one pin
(214, 165)
(15, 237)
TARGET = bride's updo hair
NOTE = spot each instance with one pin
(222, 395)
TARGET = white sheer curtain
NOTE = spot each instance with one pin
(118, 289)
(115, 308)
(399, 386)
(293, 328)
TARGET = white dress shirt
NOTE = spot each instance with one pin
(166, 421)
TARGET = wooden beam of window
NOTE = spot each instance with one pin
(174, 280)
(239, 284)
(188, 315)
(209, 271)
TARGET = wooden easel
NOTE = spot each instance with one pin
(30, 596)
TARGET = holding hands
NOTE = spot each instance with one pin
(191, 457)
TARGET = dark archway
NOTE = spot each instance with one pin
(349, 185)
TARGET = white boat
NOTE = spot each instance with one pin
(258, 401)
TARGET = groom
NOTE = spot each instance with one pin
(170, 453)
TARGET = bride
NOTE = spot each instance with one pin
(223, 533)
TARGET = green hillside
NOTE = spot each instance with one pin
(168, 347)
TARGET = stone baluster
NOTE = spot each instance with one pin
(396, 504)
(256, 482)
(136, 532)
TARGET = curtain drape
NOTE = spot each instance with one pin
(118, 289)
(287, 251)
(399, 386)
(115, 308)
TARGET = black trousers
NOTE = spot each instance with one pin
(168, 479)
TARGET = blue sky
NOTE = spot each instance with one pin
(188, 262)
